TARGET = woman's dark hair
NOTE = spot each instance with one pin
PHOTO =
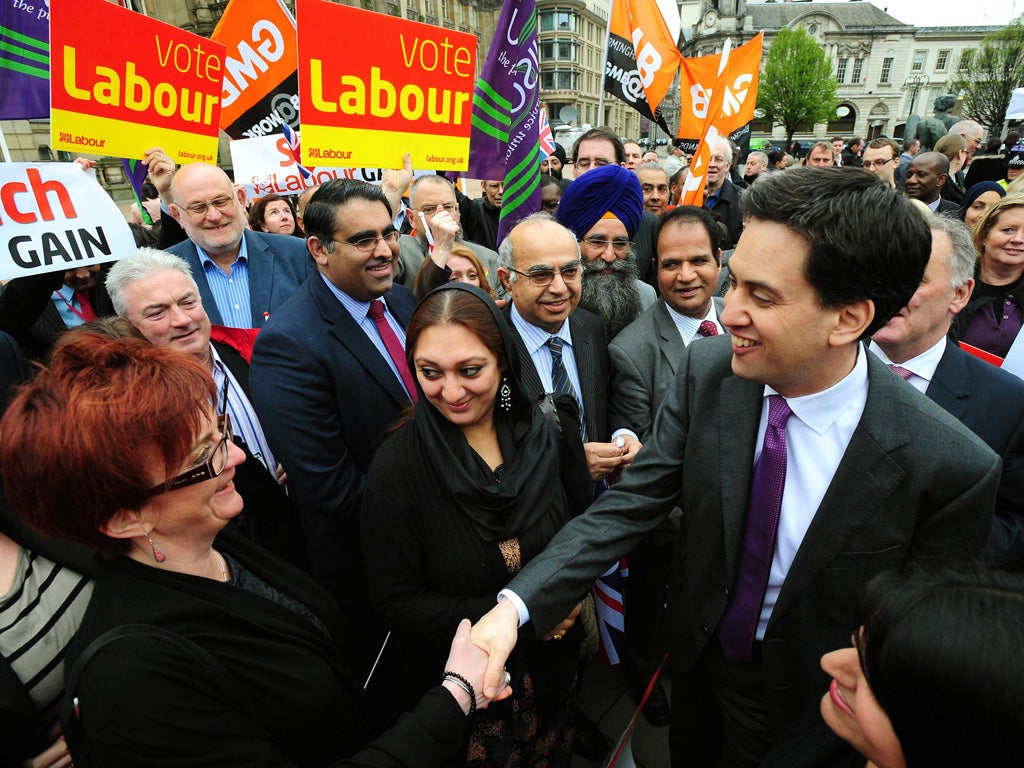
(941, 650)
(456, 307)
(258, 210)
(80, 441)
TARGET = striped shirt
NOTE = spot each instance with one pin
(230, 292)
(39, 615)
(244, 421)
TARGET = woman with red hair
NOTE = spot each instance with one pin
(197, 648)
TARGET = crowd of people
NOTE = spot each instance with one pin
(326, 480)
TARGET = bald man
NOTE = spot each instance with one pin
(242, 275)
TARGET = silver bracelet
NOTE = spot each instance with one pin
(465, 685)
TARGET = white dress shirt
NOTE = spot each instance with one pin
(687, 326)
(922, 367)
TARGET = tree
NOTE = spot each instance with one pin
(988, 77)
(797, 87)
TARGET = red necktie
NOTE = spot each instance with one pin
(903, 373)
(707, 328)
(85, 306)
(393, 346)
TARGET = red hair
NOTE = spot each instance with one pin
(79, 441)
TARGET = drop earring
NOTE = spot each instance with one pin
(158, 554)
(505, 395)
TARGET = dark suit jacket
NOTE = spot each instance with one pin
(325, 397)
(590, 346)
(645, 357)
(894, 497)
(269, 518)
(278, 265)
(727, 210)
(990, 403)
(947, 207)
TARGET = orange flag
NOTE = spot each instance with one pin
(719, 110)
(642, 54)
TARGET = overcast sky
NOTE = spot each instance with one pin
(941, 13)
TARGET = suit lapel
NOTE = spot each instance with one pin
(865, 479)
(586, 366)
(261, 277)
(950, 386)
(531, 379)
(670, 344)
(351, 336)
(209, 303)
(741, 400)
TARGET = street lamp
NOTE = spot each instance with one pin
(914, 84)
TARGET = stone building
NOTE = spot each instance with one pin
(886, 69)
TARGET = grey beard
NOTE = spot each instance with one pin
(615, 297)
(421, 238)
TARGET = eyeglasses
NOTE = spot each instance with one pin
(869, 164)
(599, 242)
(368, 243)
(208, 469)
(570, 273)
(200, 209)
(586, 163)
(430, 210)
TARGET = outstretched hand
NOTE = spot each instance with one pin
(496, 633)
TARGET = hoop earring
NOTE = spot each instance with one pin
(158, 554)
(505, 395)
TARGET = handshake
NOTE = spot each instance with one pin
(475, 672)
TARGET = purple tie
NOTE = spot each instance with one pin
(393, 346)
(903, 373)
(707, 328)
(739, 623)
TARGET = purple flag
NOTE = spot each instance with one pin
(505, 133)
(24, 60)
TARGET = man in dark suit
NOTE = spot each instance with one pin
(986, 400)
(723, 197)
(645, 357)
(539, 265)
(243, 276)
(926, 177)
(326, 386)
(155, 291)
(847, 483)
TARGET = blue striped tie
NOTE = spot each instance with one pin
(560, 383)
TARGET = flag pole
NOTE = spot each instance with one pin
(604, 64)
(3, 147)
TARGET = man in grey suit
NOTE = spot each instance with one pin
(431, 195)
(775, 543)
(243, 276)
(985, 399)
(645, 357)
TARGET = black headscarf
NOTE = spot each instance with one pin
(529, 499)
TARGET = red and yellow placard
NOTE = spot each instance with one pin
(374, 86)
(158, 85)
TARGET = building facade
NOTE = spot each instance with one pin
(886, 70)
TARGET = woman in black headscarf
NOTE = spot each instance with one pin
(464, 493)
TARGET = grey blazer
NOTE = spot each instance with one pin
(913, 483)
(645, 356)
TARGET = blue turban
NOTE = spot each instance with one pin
(609, 189)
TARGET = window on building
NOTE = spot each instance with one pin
(886, 70)
(965, 58)
(558, 20)
(558, 80)
(917, 65)
(411, 13)
(557, 50)
(841, 70)
(858, 67)
(394, 9)
(942, 61)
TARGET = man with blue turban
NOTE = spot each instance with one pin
(603, 209)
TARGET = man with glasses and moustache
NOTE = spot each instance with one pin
(243, 276)
(329, 375)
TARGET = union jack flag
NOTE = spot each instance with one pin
(295, 145)
(547, 140)
(607, 591)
